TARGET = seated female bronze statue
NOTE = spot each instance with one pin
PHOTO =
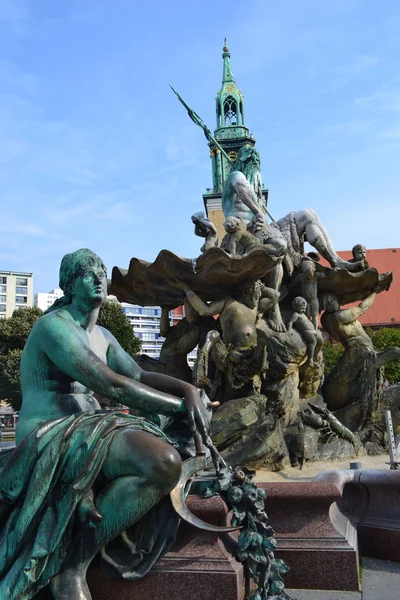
(80, 476)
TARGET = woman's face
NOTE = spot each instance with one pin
(90, 286)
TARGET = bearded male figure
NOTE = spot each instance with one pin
(242, 194)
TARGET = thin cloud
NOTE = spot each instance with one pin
(388, 100)
(392, 133)
(352, 127)
(343, 74)
(14, 16)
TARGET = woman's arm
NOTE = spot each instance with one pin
(60, 341)
(124, 364)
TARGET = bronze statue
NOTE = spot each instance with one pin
(359, 252)
(238, 234)
(311, 336)
(205, 229)
(77, 464)
(308, 278)
(354, 378)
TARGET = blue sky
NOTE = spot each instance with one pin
(96, 151)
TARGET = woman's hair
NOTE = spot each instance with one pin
(73, 265)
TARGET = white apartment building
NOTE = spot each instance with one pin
(145, 321)
(16, 291)
(44, 301)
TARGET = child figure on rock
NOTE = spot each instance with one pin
(311, 336)
(309, 288)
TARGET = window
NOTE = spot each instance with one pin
(3, 289)
(230, 111)
(3, 279)
(149, 336)
(21, 290)
(21, 281)
(3, 298)
(21, 299)
(2, 308)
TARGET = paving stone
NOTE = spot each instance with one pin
(380, 579)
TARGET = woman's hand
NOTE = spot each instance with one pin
(198, 419)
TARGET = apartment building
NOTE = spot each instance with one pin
(145, 321)
(16, 291)
(44, 300)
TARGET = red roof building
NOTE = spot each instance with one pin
(386, 309)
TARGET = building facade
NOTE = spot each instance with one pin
(385, 311)
(146, 322)
(16, 291)
(44, 300)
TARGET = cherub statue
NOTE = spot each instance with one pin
(309, 288)
(238, 234)
(240, 348)
(359, 253)
(312, 337)
(205, 229)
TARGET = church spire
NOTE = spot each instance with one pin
(230, 112)
(231, 134)
(227, 76)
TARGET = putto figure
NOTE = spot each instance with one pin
(205, 229)
(311, 336)
(359, 252)
(80, 476)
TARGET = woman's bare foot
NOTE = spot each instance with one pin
(70, 585)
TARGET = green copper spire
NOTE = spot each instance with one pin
(227, 76)
(230, 135)
(230, 111)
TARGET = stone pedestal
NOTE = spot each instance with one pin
(198, 566)
(370, 500)
(319, 546)
(315, 539)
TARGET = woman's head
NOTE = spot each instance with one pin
(73, 266)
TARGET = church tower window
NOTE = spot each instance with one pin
(230, 112)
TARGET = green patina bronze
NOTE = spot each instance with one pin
(230, 136)
(79, 476)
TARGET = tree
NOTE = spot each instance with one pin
(332, 353)
(14, 332)
(113, 318)
(382, 339)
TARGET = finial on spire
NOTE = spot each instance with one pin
(225, 48)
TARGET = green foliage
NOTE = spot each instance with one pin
(113, 318)
(13, 335)
(332, 353)
(382, 339)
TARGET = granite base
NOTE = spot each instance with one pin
(199, 566)
(370, 500)
(319, 546)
